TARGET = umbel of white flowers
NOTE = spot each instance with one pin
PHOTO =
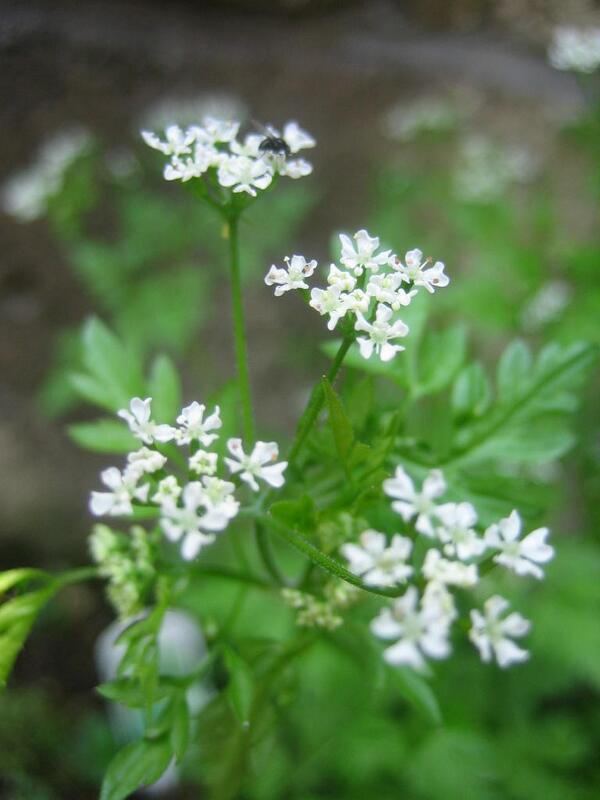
(419, 623)
(191, 512)
(575, 49)
(369, 285)
(213, 148)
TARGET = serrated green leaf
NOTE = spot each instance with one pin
(103, 436)
(136, 765)
(529, 441)
(112, 368)
(164, 387)
(535, 425)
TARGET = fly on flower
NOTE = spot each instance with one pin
(273, 143)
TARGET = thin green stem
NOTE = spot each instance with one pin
(316, 401)
(239, 329)
(78, 575)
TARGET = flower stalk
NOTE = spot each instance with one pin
(239, 328)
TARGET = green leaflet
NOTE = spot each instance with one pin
(111, 375)
(417, 692)
(17, 617)
(103, 436)
(164, 386)
(343, 434)
(138, 764)
(240, 689)
(441, 355)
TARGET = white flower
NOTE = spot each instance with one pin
(546, 305)
(168, 490)
(439, 601)
(522, 556)
(339, 277)
(186, 522)
(421, 274)
(25, 194)
(219, 503)
(203, 462)
(380, 333)
(378, 564)
(485, 170)
(493, 636)
(448, 573)
(258, 464)
(385, 288)
(410, 503)
(419, 631)
(358, 301)
(184, 169)
(177, 142)
(249, 147)
(427, 114)
(123, 490)
(296, 138)
(363, 255)
(331, 301)
(217, 130)
(146, 460)
(292, 276)
(457, 533)
(193, 426)
(298, 168)
(576, 49)
(141, 425)
(244, 174)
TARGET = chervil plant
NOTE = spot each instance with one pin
(404, 493)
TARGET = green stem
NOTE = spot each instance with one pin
(317, 399)
(241, 350)
(77, 576)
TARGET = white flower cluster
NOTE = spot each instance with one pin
(25, 195)
(406, 121)
(214, 149)
(421, 624)
(485, 169)
(367, 284)
(575, 49)
(546, 305)
(190, 511)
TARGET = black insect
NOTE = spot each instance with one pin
(274, 144)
